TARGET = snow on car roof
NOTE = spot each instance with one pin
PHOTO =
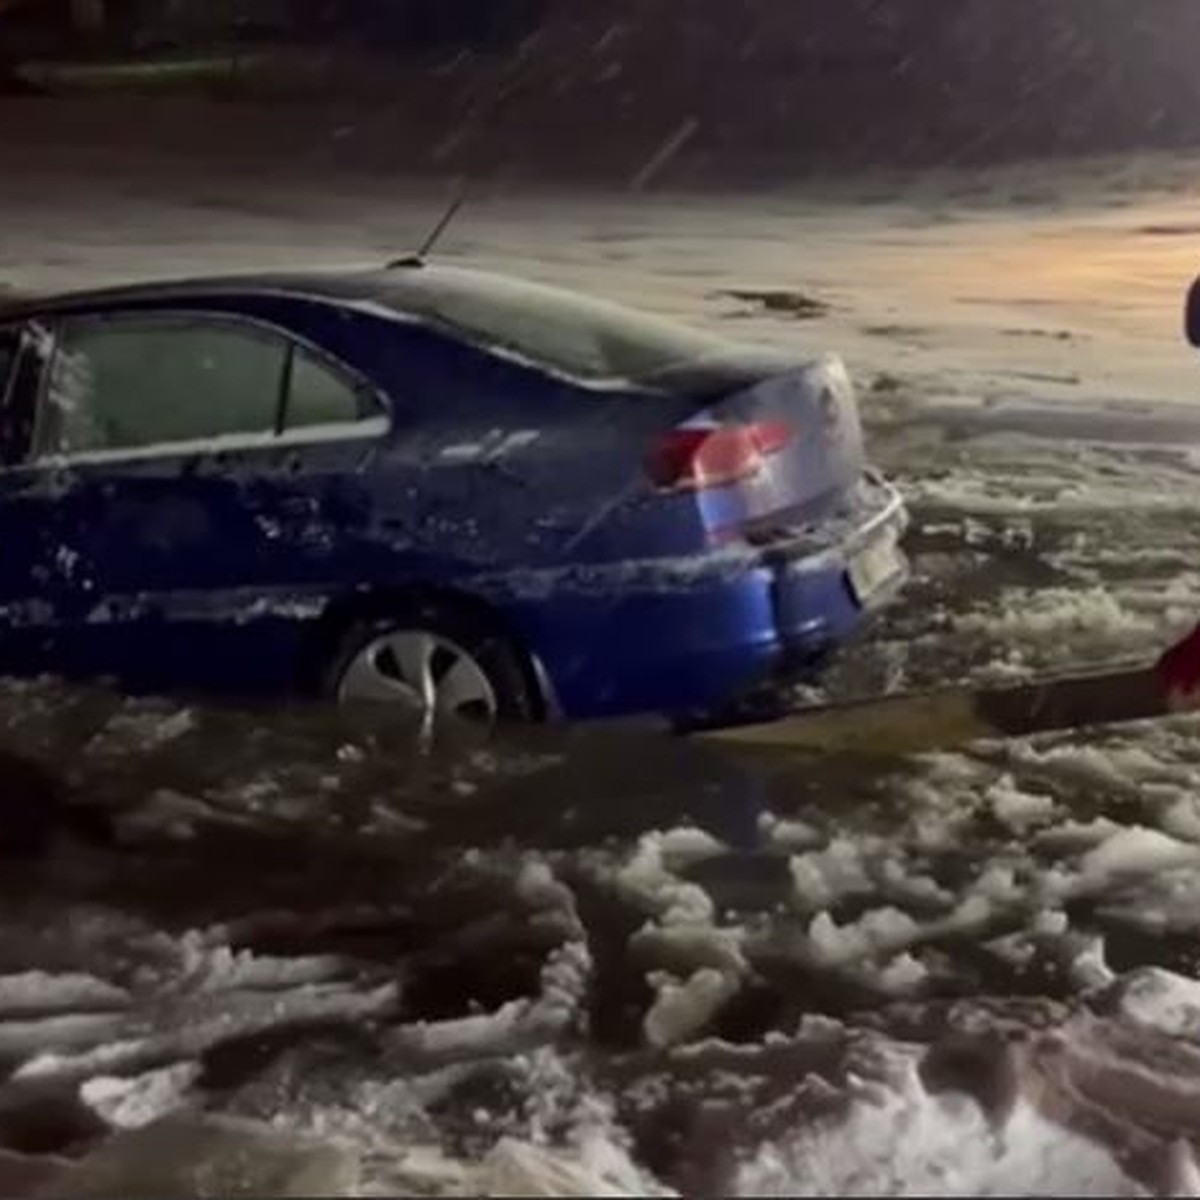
(580, 335)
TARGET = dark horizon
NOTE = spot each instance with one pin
(938, 26)
(800, 85)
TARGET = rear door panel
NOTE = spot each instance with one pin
(197, 570)
(195, 565)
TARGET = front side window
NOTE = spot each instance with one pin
(10, 345)
(20, 376)
(131, 382)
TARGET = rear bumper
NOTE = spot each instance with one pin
(820, 599)
(695, 645)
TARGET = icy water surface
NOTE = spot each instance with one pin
(612, 964)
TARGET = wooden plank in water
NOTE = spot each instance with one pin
(914, 722)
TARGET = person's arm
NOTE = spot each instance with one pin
(1179, 670)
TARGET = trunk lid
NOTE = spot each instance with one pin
(778, 449)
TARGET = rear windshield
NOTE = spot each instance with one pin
(561, 330)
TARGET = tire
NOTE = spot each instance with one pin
(476, 672)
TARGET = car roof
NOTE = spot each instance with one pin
(578, 336)
(407, 279)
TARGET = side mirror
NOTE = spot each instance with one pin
(1191, 321)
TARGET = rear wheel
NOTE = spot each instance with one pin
(437, 664)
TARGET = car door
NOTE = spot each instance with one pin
(195, 531)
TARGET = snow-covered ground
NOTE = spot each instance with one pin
(581, 969)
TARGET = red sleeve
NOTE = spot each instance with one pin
(1179, 667)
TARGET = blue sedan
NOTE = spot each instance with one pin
(422, 484)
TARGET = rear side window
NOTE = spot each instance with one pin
(126, 384)
(319, 395)
(131, 382)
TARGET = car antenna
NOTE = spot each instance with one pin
(418, 259)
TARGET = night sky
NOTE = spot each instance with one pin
(835, 81)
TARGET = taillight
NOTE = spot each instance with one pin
(694, 459)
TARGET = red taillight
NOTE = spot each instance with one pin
(694, 459)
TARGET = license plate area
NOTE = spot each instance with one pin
(874, 567)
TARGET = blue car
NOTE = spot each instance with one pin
(424, 484)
